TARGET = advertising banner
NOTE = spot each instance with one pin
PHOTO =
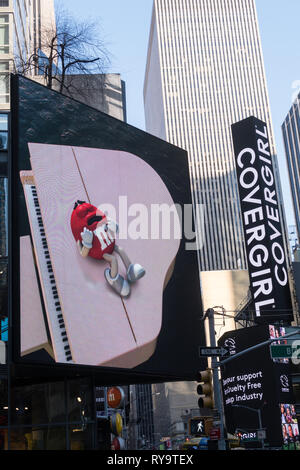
(263, 228)
(255, 385)
(104, 273)
(290, 427)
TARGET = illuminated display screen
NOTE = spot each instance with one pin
(102, 266)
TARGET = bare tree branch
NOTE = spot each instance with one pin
(71, 47)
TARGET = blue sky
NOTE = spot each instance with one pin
(125, 28)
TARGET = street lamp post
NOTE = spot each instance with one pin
(216, 383)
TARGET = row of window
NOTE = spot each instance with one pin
(4, 49)
(54, 416)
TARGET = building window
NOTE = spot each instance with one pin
(4, 83)
(4, 3)
(3, 268)
(4, 34)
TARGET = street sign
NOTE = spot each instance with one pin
(283, 351)
(205, 351)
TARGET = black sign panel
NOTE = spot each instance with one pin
(254, 384)
(261, 221)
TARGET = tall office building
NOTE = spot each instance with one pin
(21, 26)
(205, 72)
(291, 137)
(141, 427)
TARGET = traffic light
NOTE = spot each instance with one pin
(197, 426)
(205, 388)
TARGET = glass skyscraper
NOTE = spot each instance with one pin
(291, 137)
(205, 72)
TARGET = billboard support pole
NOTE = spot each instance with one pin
(216, 383)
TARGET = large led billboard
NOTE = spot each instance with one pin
(104, 262)
(261, 216)
(290, 426)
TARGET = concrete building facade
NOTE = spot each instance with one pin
(105, 92)
(21, 25)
